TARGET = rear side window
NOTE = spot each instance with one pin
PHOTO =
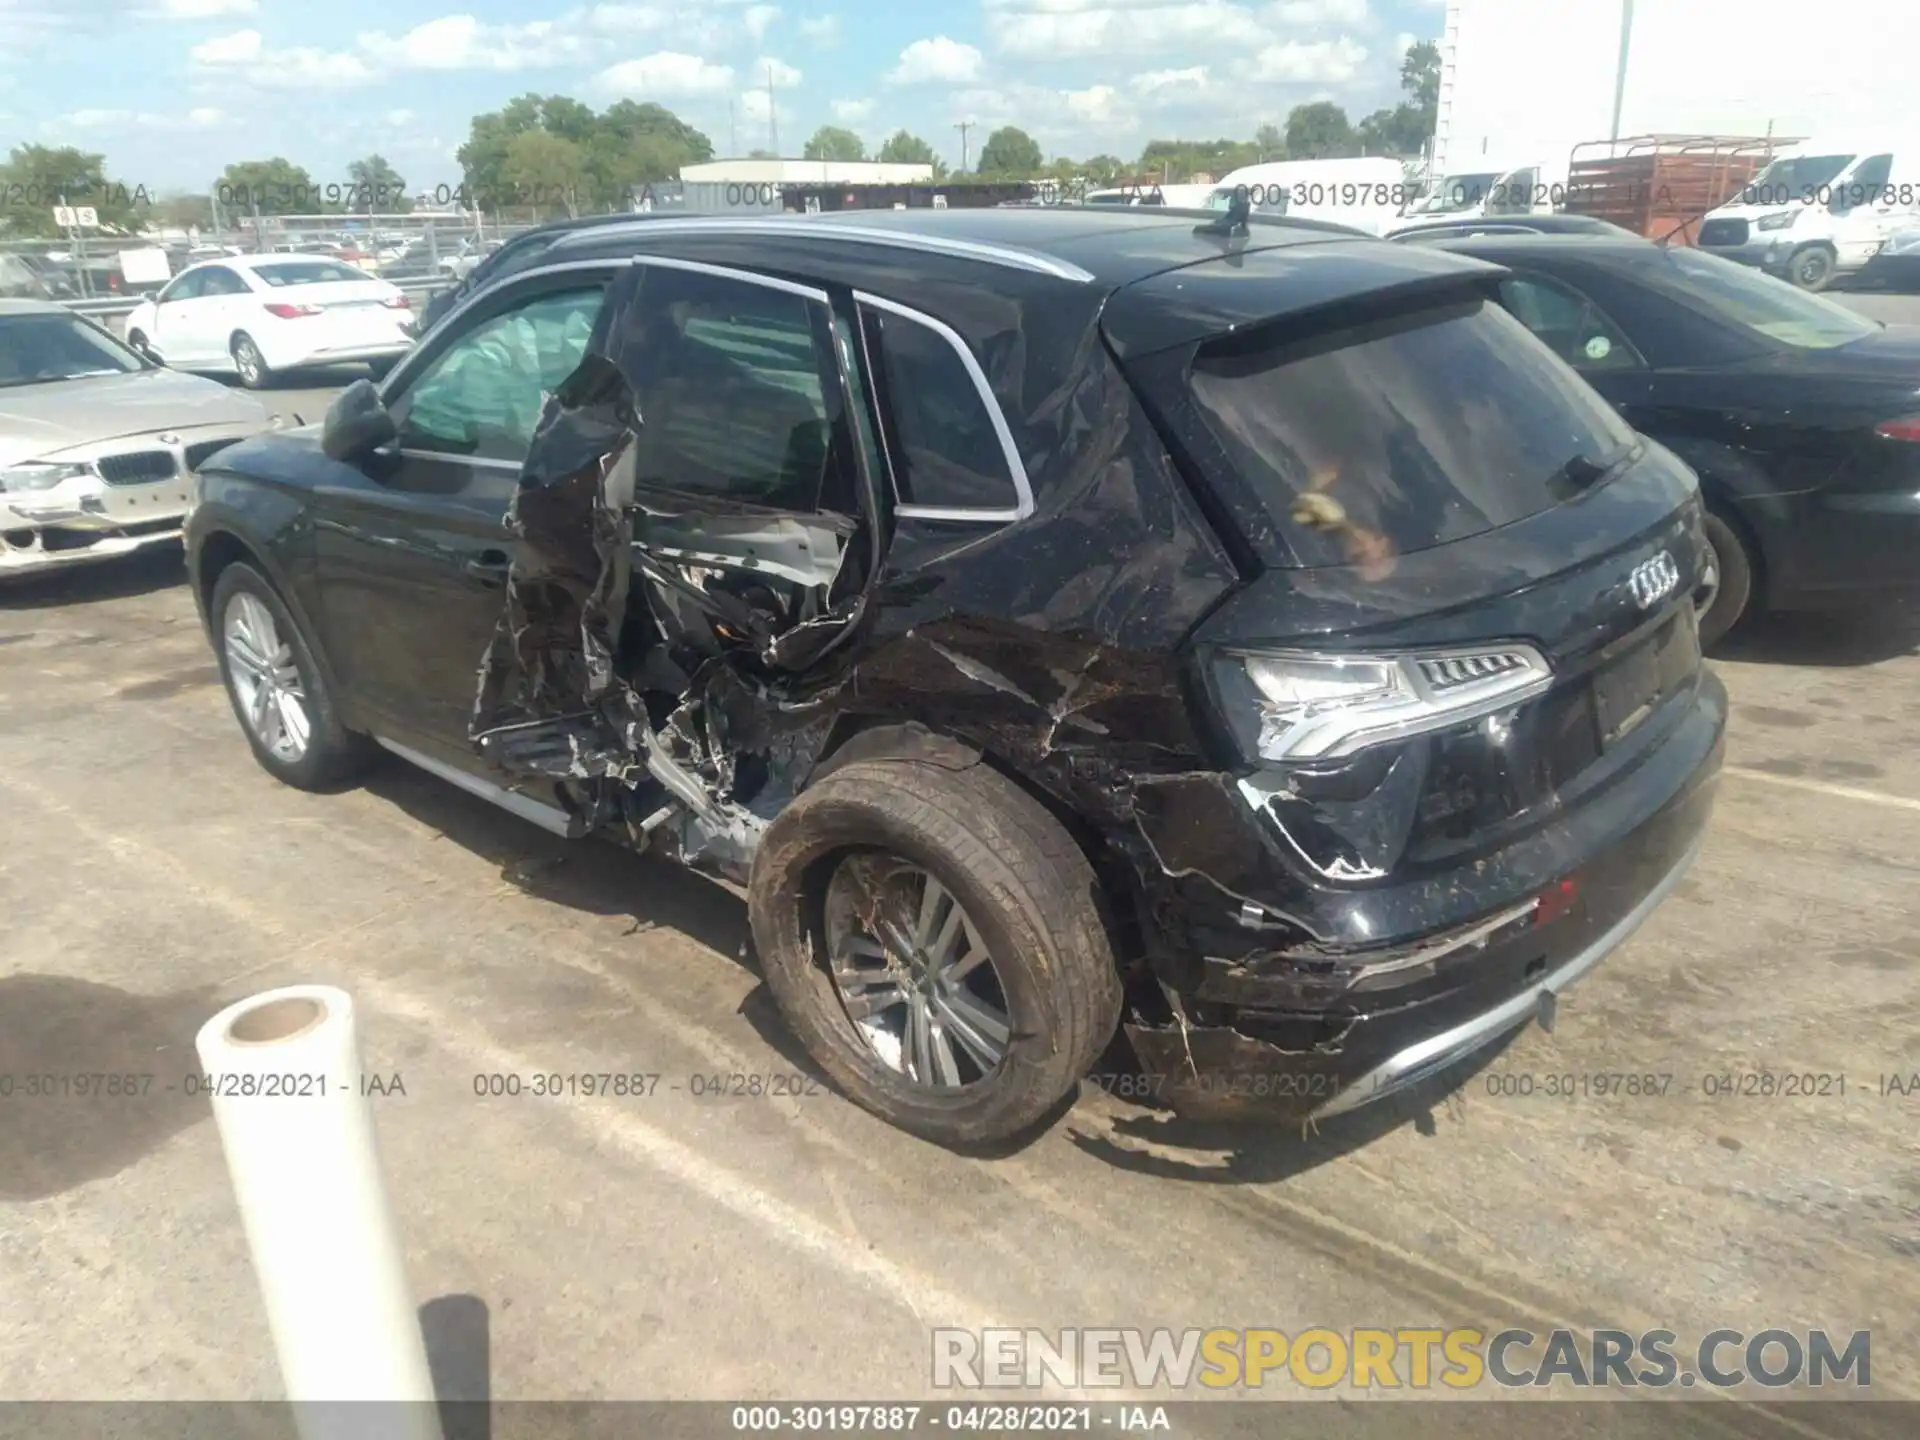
(948, 450)
(736, 383)
(1403, 434)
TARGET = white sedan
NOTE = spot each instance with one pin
(256, 315)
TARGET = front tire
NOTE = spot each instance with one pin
(935, 939)
(137, 340)
(1723, 604)
(250, 364)
(1812, 268)
(277, 691)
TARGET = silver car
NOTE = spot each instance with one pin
(98, 445)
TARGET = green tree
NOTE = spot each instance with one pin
(1319, 131)
(903, 147)
(1420, 75)
(545, 172)
(377, 186)
(1176, 162)
(1010, 154)
(832, 142)
(1271, 144)
(630, 143)
(184, 212)
(267, 187)
(1103, 169)
(35, 178)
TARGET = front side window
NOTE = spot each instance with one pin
(483, 395)
(1568, 323)
(737, 388)
(187, 287)
(947, 451)
(1405, 433)
(221, 281)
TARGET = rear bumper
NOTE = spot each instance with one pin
(1286, 1036)
(290, 352)
(1834, 549)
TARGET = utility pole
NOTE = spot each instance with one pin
(1620, 78)
(773, 120)
(963, 127)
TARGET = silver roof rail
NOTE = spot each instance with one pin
(1012, 256)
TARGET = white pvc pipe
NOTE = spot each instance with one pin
(283, 1070)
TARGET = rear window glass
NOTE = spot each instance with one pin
(1404, 434)
(308, 272)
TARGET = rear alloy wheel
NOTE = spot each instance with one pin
(1726, 581)
(1812, 268)
(913, 974)
(250, 363)
(936, 940)
(278, 693)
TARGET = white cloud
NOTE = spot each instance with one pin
(199, 118)
(239, 48)
(783, 75)
(244, 57)
(758, 19)
(1099, 102)
(1324, 62)
(1404, 42)
(664, 74)
(936, 61)
(398, 118)
(1322, 12)
(851, 112)
(1160, 82)
(821, 30)
(1211, 25)
(197, 9)
(460, 42)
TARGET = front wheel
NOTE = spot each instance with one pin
(250, 363)
(1812, 268)
(935, 940)
(138, 342)
(277, 691)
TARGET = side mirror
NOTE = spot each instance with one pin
(357, 423)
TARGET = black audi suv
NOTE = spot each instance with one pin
(1243, 634)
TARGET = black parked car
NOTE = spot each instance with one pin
(1055, 620)
(514, 254)
(1801, 417)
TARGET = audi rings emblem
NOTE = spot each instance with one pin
(1654, 580)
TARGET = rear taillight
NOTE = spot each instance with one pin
(1905, 428)
(292, 312)
(398, 302)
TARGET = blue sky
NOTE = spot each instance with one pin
(172, 90)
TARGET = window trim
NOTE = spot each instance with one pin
(1022, 486)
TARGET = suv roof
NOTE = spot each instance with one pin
(1090, 245)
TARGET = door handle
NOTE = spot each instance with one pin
(490, 567)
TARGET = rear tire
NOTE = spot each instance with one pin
(1728, 603)
(250, 363)
(1025, 895)
(1812, 268)
(271, 679)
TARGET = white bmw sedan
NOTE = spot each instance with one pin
(257, 315)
